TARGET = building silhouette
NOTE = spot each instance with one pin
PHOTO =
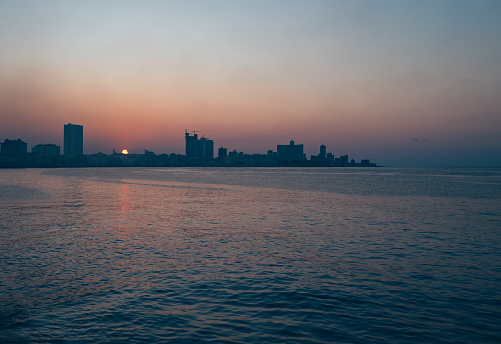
(290, 152)
(46, 151)
(323, 158)
(323, 155)
(13, 153)
(341, 161)
(73, 140)
(199, 152)
(222, 152)
(16, 149)
(198, 148)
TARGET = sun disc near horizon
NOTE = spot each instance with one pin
(125, 151)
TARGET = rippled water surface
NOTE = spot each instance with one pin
(264, 255)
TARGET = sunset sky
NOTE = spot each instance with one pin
(413, 83)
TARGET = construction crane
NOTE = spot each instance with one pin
(192, 131)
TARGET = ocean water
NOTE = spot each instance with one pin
(250, 255)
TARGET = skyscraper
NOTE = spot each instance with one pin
(205, 148)
(73, 140)
(323, 154)
(191, 145)
(202, 148)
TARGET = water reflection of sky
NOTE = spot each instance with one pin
(163, 256)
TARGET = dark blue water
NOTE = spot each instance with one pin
(258, 255)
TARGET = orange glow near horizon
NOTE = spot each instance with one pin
(125, 151)
(348, 81)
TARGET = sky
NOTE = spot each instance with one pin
(403, 83)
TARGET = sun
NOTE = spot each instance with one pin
(125, 151)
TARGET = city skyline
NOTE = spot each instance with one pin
(74, 145)
(401, 83)
(199, 151)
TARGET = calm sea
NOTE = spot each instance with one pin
(250, 255)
